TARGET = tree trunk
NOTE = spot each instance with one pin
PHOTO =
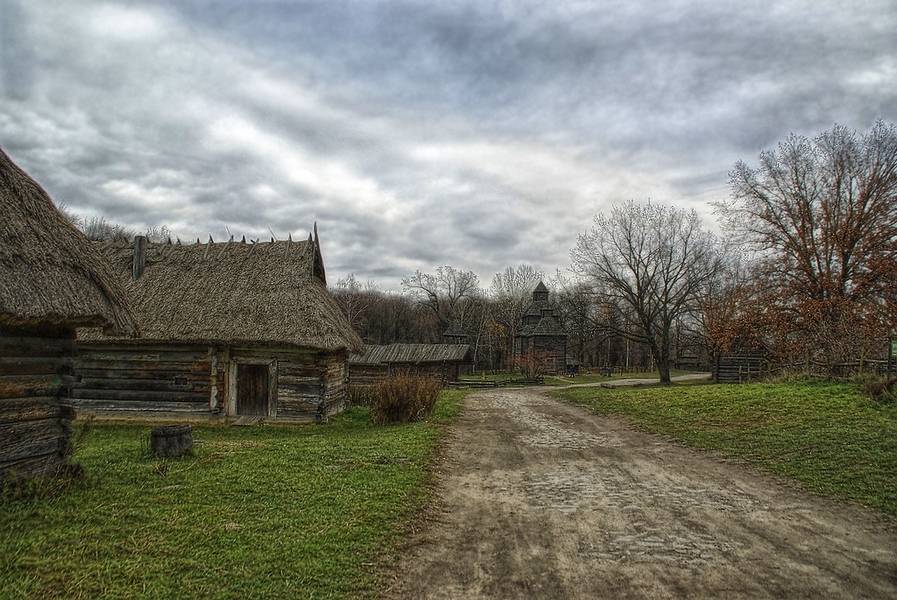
(661, 354)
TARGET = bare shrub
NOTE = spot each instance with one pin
(360, 395)
(404, 398)
(532, 364)
(881, 390)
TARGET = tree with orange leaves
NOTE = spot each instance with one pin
(822, 215)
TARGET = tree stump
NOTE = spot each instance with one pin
(172, 440)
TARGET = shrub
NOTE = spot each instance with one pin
(881, 390)
(360, 395)
(533, 364)
(404, 398)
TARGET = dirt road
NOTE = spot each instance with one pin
(539, 499)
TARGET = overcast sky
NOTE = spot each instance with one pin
(476, 134)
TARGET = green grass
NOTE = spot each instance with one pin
(830, 436)
(597, 377)
(264, 512)
(563, 380)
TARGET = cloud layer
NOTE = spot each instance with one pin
(418, 134)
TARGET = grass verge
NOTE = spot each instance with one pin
(264, 512)
(829, 436)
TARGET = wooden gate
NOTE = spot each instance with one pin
(252, 389)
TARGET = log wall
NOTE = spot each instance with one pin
(336, 381)
(195, 381)
(738, 368)
(299, 382)
(368, 374)
(35, 421)
(151, 380)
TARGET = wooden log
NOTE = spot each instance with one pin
(28, 409)
(36, 347)
(88, 405)
(198, 366)
(34, 365)
(297, 410)
(25, 386)
(172, 384)
(25, 439)
(126, 396)
(33, 466)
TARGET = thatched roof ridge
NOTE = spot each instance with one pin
(235, 292)
(50, 274)
(412, 354)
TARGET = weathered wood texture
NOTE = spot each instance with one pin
(35, 422)
(311, 385)
(336, 375)
(738, 368)
(167, 380)
(373, 374)
(128, 379)
(171, 440)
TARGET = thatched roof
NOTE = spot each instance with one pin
(412, 354)
(235, 292)
(50, 274)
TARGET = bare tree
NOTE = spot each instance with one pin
(822, 213)
(354, 301)
(446, 292)
(650, 262)
(99, 229)
(510, 294)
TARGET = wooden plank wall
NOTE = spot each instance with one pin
(336, 383)
(148, 381)
(310, 384)
(158, 380)
(35, 424)
(740, 368)
(367, 374)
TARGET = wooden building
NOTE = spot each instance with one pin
(731, 367)
(229, 329)
(441, 361)
(52, 280)
(541, 333)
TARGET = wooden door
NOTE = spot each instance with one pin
(252, 389)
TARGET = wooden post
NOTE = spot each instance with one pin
(890, 356)
(139, 256)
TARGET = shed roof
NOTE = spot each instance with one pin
(50, 273)
(412, 354)
(235, 292)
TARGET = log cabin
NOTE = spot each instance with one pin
(231, 331)
(443, 362)
(52, 281)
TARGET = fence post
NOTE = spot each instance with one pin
(890, 356)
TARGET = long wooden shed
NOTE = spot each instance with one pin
(229, 329)
(52, 280)
(440, 361)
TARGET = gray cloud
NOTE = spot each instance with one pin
(417, 133)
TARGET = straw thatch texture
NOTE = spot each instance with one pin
(235, 293)
(49, 273)
(413, 354)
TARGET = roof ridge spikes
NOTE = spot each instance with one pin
(226, 246)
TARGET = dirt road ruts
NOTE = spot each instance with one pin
(540, 499)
